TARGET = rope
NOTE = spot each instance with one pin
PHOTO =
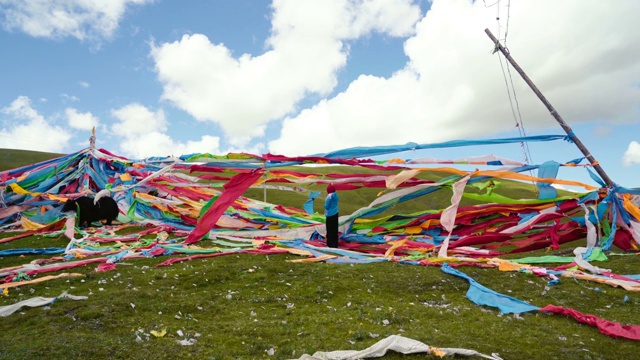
(515, 110)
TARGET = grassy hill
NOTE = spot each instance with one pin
(12, 158)
(243, 306)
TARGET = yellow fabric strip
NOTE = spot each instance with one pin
(19, 190)
(296, 251)
(312, 260)
(627, 285)
(510, 175)
(505, 265)
(34, 281)
(30, 225)
(396, 244)
(628, 205)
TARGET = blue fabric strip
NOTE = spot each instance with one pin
(596, 178)
(548, 170)
(357, 152)
(26, 251)
(308, 205)
(481, 295)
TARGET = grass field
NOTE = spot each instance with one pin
(242, 306)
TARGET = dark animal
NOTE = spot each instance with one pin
(88, 212)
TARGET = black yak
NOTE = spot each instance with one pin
(88, 212)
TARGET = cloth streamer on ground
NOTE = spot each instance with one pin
(44, 278)
(485, 296)
(35, 302)
(606, 327)
(47, 251)
(396, 343)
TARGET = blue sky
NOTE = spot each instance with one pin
(299, 77)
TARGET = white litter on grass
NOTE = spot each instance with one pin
(187, 342)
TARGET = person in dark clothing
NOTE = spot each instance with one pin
(331, 215)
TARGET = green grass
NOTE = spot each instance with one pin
(242, 305)
(302, 308)
(12, 158)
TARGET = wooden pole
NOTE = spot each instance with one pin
(552, 110)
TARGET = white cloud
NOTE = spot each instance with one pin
(136, 119)
(632, 155)
(71, 98)
(84, 84)
(142, 133)
(81, 121)
(306, 49)
(453, 87)
(25, 128)
(568, 188)
(81, 19)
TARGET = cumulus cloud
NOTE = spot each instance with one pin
(452, 87)
(81, 19)
(306, 49)
(24, 128)
(142, 133)
(84, 84)
(81, 121)
(632, 155)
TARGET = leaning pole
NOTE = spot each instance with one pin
(552, 110)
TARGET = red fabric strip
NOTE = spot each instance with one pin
(606, 327)
(232, 189)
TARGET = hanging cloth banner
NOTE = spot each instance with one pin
(548, 170)
(308, 205)
(392, 182)
(235, 187)
(448, 217)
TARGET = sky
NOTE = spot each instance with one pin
(302, 77)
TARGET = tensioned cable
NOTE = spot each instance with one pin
(515, 110)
